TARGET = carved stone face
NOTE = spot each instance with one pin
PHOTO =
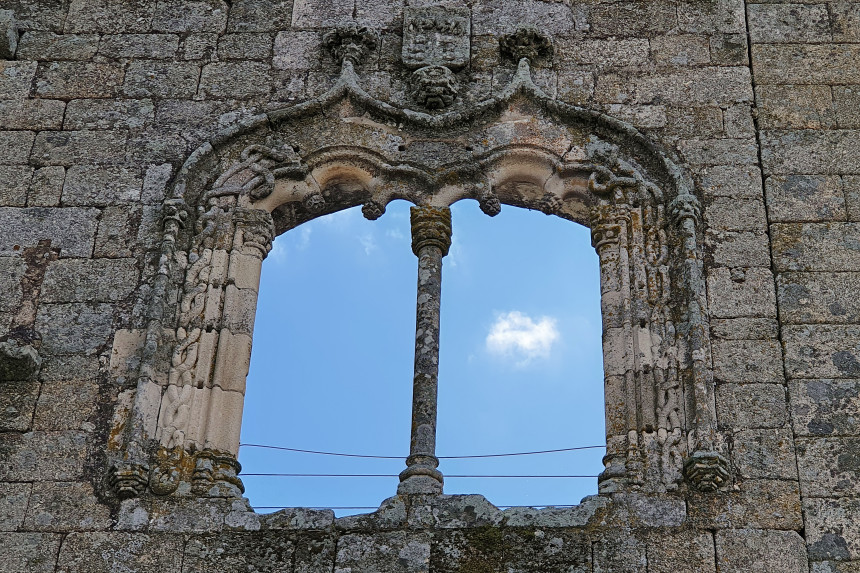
(434, 87)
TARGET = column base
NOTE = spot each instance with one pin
(420, 479)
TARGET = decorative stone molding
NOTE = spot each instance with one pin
(350, 43)
(528, 43)
(281, 169)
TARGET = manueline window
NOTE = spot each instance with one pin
(520, 365)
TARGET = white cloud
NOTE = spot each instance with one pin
(515, 334)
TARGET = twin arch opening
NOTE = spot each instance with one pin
(236, 193)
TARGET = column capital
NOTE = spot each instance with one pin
(431, 226)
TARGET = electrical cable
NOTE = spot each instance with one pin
(266, 446)
(397, 475)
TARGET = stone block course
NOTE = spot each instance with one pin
(845, 17)
(13, 504)
(822, 351)
(30, 552)
(760, 551)
(65, 506)
(700, 85)
(70, 80)
(117, 232)
(796, 106)
(108, 552)
(824, 407)
(235, 80)
(727, 214)
(828, 466)
(66, 405)
(16, 79)
(741, 292)
(17, 404)
(143, 46)
(816, 246)
(92, 185)
(851, 187)
(789, 23)
(680, 50)
(806, 63)
(765, 453)
(89, 114)
(36, 456)
(109, 16)
(35, 114)
(738, 248)
(46, 187)
(16, 180)
(846, 100)
(145, 79)
(744, 328)
(819, 297)
(194, 16)
(810, 151)
(70, 230)
(748, 361)
(761, 504)
(832, 528)
(48, 46)
(73, 328)
(17, 146)
(245, 47)
(85, 146)
(805, 198)
(260, 15)
(741, 406)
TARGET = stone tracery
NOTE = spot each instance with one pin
(346, 148)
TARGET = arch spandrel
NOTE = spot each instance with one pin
(344, 149)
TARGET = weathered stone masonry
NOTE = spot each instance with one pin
(150, 151)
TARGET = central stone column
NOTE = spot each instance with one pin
(431, 238)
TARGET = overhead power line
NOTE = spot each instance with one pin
(376, 507)
(397, 475)
(342, 454)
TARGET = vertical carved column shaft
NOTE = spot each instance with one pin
(431, 238)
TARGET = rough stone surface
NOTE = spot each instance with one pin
(754, 102)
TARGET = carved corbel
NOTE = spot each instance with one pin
(373, 210)
(350, 43)
(128, 479)
(216, 475)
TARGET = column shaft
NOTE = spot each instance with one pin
(431, 238)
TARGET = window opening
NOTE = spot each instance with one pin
(521, 360)
(343, 290)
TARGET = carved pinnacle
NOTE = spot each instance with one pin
(528, 43)
(351, 43)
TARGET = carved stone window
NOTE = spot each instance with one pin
(345, 148)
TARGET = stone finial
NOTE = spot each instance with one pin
(18, 361)
(434, 87)
(351, 43)
(431, 226)
(8, 35)
(528, 43)
(708, 471)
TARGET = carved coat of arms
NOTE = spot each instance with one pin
(436, 36)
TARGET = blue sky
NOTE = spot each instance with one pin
(520, 363)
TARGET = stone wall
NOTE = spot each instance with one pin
(103, 101)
